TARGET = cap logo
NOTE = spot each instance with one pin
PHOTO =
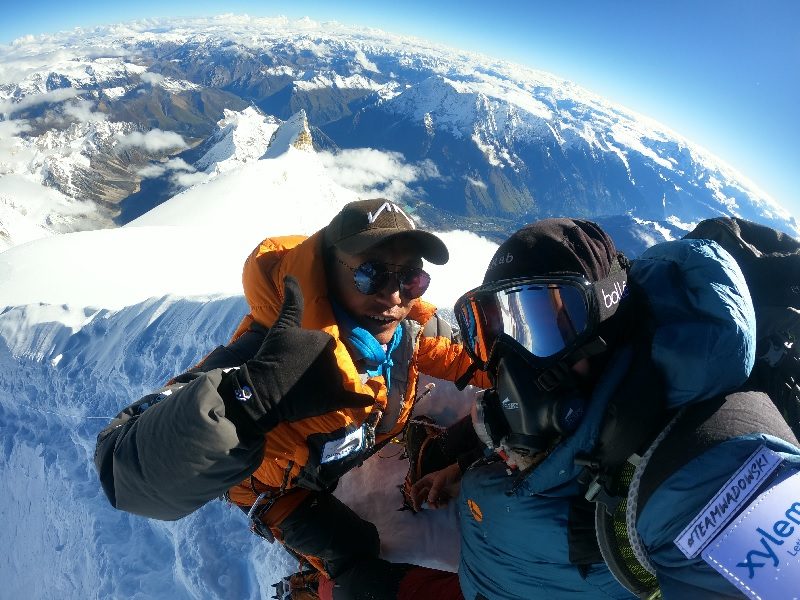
(501, 260)
(389, 207)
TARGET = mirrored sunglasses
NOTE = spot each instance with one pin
(371, 277)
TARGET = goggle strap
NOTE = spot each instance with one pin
(609, 293)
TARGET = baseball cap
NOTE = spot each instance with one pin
(363, 224)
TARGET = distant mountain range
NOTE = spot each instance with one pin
(126, 116)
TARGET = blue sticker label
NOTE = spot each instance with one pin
(728, 501)
(760, 552)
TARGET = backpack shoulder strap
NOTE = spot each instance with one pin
(634, 417)
(617, 537)
(705, 425)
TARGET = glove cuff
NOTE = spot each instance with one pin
(241, 404)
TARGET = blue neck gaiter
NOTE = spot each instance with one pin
(365, 347)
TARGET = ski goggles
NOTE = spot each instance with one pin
(547, 316)
(371, 277)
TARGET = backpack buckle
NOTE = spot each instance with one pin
(594, 480)
(598, 494)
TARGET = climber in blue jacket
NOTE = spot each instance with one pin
(617, 406)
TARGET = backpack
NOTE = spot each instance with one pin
(770, 263)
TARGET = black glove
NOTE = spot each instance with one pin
(293, 375)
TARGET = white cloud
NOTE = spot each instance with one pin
(158, 169)
(365, 63)
(469, 257)
(15, 153)
(8, 107)
(16, 66)
(152, 171)
(11, 128)
(178, 164)
(154, 140)
(476, 183)
(152, 78)
(369, 171)
(82, 110)
(189, 179)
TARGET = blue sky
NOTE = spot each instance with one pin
(723, 73)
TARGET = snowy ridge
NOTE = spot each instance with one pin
(243, 137)
(293, 134)
(293, 180)
(63, 521)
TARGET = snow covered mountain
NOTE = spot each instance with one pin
(125, 116)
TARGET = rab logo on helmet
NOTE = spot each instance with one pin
(617, 294)
(501, 260)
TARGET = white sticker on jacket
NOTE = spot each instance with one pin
(338, 449)
(727, 502)
(760, 552)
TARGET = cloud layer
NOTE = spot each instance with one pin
(373, 172)
(9, 107)
(154, 140)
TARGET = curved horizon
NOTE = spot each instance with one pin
(738, 64)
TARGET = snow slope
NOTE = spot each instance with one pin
(93, 320)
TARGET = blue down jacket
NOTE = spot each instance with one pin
(516, 546)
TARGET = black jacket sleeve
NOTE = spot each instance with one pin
(172, 451)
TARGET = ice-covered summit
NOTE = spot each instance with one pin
(243, 136)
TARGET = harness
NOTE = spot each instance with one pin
(263, 503)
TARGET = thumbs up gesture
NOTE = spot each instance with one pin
(294, 375)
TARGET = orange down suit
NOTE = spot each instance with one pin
(289, 459)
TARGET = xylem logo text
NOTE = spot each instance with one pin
(774, 536)
(616, 294)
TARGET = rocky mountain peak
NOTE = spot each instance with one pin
(293, 133)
